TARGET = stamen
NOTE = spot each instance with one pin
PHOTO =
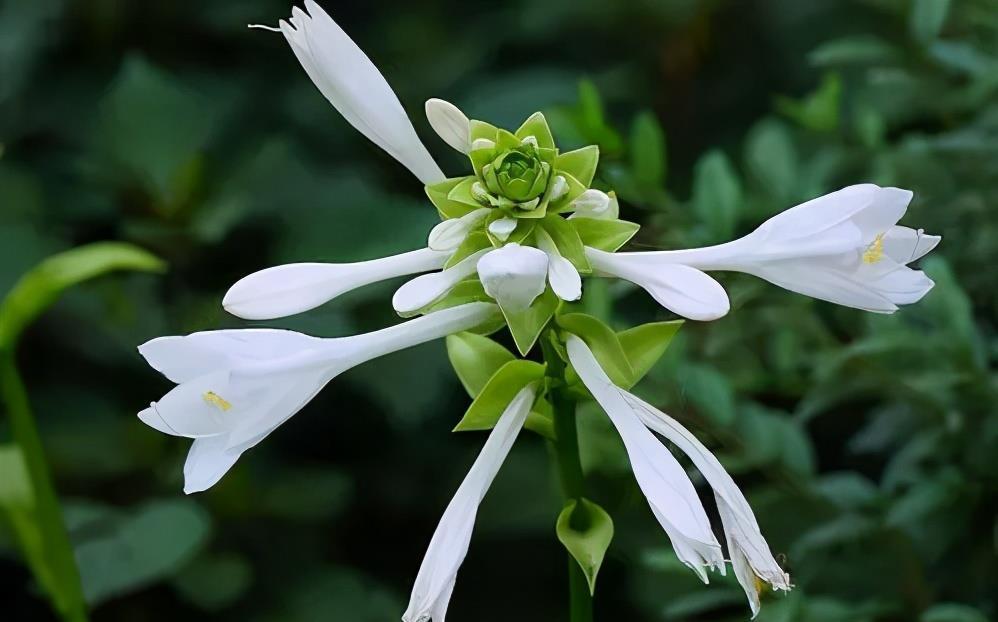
(875, 251)
(263, 27)
(214, 399)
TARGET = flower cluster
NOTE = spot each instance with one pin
(517, 236)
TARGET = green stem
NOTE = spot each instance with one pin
(40, 529)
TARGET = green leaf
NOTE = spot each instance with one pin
(854, 50)
(585, 529)
(580, 164)
(819, 111)
(710, 391)
(648, 150)
(567, 239)
(42, 285)
(604, 343)
(604, 235)
(927, 19)
(15, 485)
(526, 325)
(717, 194)
(537, 126)
(498, 392)
(952, 612)
(541, 419)
(439, 195)
(645, 344)
(475, 359)
(772, 158)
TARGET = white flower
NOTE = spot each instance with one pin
(355, 87)
(423, 290)
(449, 123)
(663, 481)
(514, 275)
(565, 280)
(843, 247)
(749, 553)
(449, 544)
(235, 386)
(293, 288)
(595, 204)
(449, 234)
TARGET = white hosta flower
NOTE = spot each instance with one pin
(594, 204)
(844, 247)
(449, 123)
(425, 289)
(682, 289)
(449, 234)
(564, 278)
(236, 386)
(449, 544)
(294, 288)
(503, 227)
(355, 87)
(662, 479)
(514, 275)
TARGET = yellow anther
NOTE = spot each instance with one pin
(875, 251)
(214, 399)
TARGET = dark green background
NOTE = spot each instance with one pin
(866, 444)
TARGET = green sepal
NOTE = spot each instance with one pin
(604, 235)
(498, 392)
(603, 342)
(585, 529)
(526, 325)
(481, 129)
(439, 196)
(475, 359)
(469, 290)
(506, 140)
(644, 345)
(535, 214)
(537, 126)
(541, 419)
(474, 242)
(567, 239)
(461, 193)
(580, 164)
(480, 158)
(575, 190)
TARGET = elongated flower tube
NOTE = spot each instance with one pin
(234, 387)
(663, 481)
(449, 544)
(294, 288)
(355, 87)
(844, 247)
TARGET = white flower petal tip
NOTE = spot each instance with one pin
(502, 228)
(449, 234)
(424, 290)
(664, 482)
(592, 204)
(565, 280)
(435, 580)
(449, 123)
(355, 87)
(682, 289)
(234, 387)
(514, 275)
(294, 288)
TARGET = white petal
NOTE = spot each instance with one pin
(592, 204)
(662, 479)
(449, 123)
(449, 544)
(503, 227)
(903, 286)
(905, 245)
(514, 275)
(683, 290)
(564, 278)
(355, 87)
(449, 234)
(293, 288)
(207, 461)
(423, 290)
(814, 216)
(812, 279)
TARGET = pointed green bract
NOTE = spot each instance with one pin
(603, 342)
(537, 126)
(526, 325)
(580, 164)
(644, 345)
(586, 530)
(475, 359)
(476, 241)
(498, 392)
(604, 235)
(439, 195)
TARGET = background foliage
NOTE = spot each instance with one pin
(867, 444)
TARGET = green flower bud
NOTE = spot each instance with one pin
(518, 174)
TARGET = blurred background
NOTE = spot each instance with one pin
(866, 443)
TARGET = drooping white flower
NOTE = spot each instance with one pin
(293, 288)
(449, 234)
(423, 290)
(843, 247)
(449, 123)
(449, 544)
(514, 275)
(236, 386)
(355, 87)
(663, 481)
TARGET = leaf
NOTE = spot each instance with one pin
(585, 529)
(952, 612)
(927, 19)
(498, 392)
(439, 195)
(15, 485)
(475, 359)
(43, 284)
(648, 150)
(580, 164)
(771, 157)
(818, 111)
(213, 583)
(854, 50)
(710, 392)
(645, 344)
(567, 239)
(603, 342)
(541, 419)
(717, 194)
(526, 325)
(604, 235)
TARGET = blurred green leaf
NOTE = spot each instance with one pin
(717, 195)
(819, 110)
(772, 159)
(15, 487)
(647, 150)
(214, 582)
(927, 18)
(586, 531)
(952, 612)
(710, 391)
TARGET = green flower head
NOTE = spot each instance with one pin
(518, 174)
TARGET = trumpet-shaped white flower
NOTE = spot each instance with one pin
(424, 290)
(842, 247)
(449, 544)
(355, 87)
(663, 481)
(236, 386)
(294, 288)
